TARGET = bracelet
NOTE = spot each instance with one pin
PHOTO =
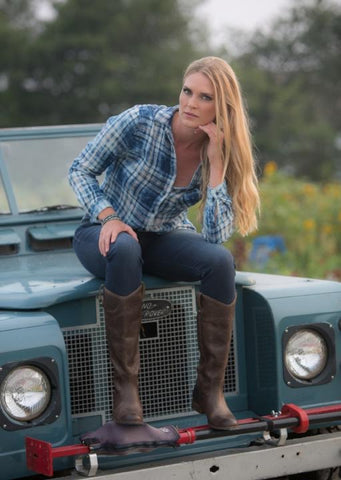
(113, 216)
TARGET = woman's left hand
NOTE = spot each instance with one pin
(214, 153)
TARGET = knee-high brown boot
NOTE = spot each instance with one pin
(123, 323)
(215, 323)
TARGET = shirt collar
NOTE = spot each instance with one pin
(165, 114)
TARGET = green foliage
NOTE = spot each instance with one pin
(16, 22)
(97, 58)
(291, 78)
(307, 216)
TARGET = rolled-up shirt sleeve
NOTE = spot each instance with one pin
(218, 218)
(108, 146)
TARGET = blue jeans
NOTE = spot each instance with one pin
(180, 255)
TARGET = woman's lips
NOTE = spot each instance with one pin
(192, 115)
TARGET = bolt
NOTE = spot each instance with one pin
(288, 383)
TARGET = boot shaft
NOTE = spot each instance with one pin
(123, 316)
(215, 325)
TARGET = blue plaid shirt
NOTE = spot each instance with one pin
(136, 151)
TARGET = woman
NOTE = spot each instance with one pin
(158, 161)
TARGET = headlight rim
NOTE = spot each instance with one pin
(26, 370)
(49, 367)
(327, 332)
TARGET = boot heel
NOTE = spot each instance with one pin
(196, 407)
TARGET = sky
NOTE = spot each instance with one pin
(241, 14)
(246, 14)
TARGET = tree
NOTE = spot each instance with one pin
(96, 58)
(291, 76)
(17, 25)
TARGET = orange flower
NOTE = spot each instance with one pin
(309, 189)
(309, 224)
(270, 168)
(327, 228)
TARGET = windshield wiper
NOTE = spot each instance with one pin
(51, 208)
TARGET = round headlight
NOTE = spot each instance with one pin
(25, 393)
(306, 354)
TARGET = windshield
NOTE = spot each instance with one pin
(4, 208)
(38, 171)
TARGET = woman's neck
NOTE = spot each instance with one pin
(191, 138)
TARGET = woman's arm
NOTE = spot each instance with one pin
(218, 217)
(109, 145)
(214, 154)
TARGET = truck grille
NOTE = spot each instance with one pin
(169, 357)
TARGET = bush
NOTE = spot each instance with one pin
(308, 218)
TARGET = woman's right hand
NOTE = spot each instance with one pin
(109, 233)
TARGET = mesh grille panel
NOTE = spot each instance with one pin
(169, 357)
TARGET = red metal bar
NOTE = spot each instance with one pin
(187, 435)
(292, 417)
(40, 454)
(327, 409)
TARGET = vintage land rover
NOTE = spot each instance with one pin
(283, 381)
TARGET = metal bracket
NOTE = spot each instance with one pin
(300, 413)
(89, 470)
(278, 442)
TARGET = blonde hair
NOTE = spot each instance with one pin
(236, 151)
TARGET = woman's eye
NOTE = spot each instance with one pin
(206, 97)
(186, 91)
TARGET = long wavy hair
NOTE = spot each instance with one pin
(236, 149)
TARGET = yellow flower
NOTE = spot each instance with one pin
(270, 168)
(309, 189)
(327, 229)
(333, 189)
(309, 224)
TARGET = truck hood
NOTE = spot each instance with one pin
(29, 282)
(35, 281)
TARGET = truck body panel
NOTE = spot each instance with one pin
(52, 325)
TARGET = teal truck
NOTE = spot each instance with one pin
(283, 380)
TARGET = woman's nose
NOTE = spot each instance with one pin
(192, 102)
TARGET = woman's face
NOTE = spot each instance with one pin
(196, 101)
